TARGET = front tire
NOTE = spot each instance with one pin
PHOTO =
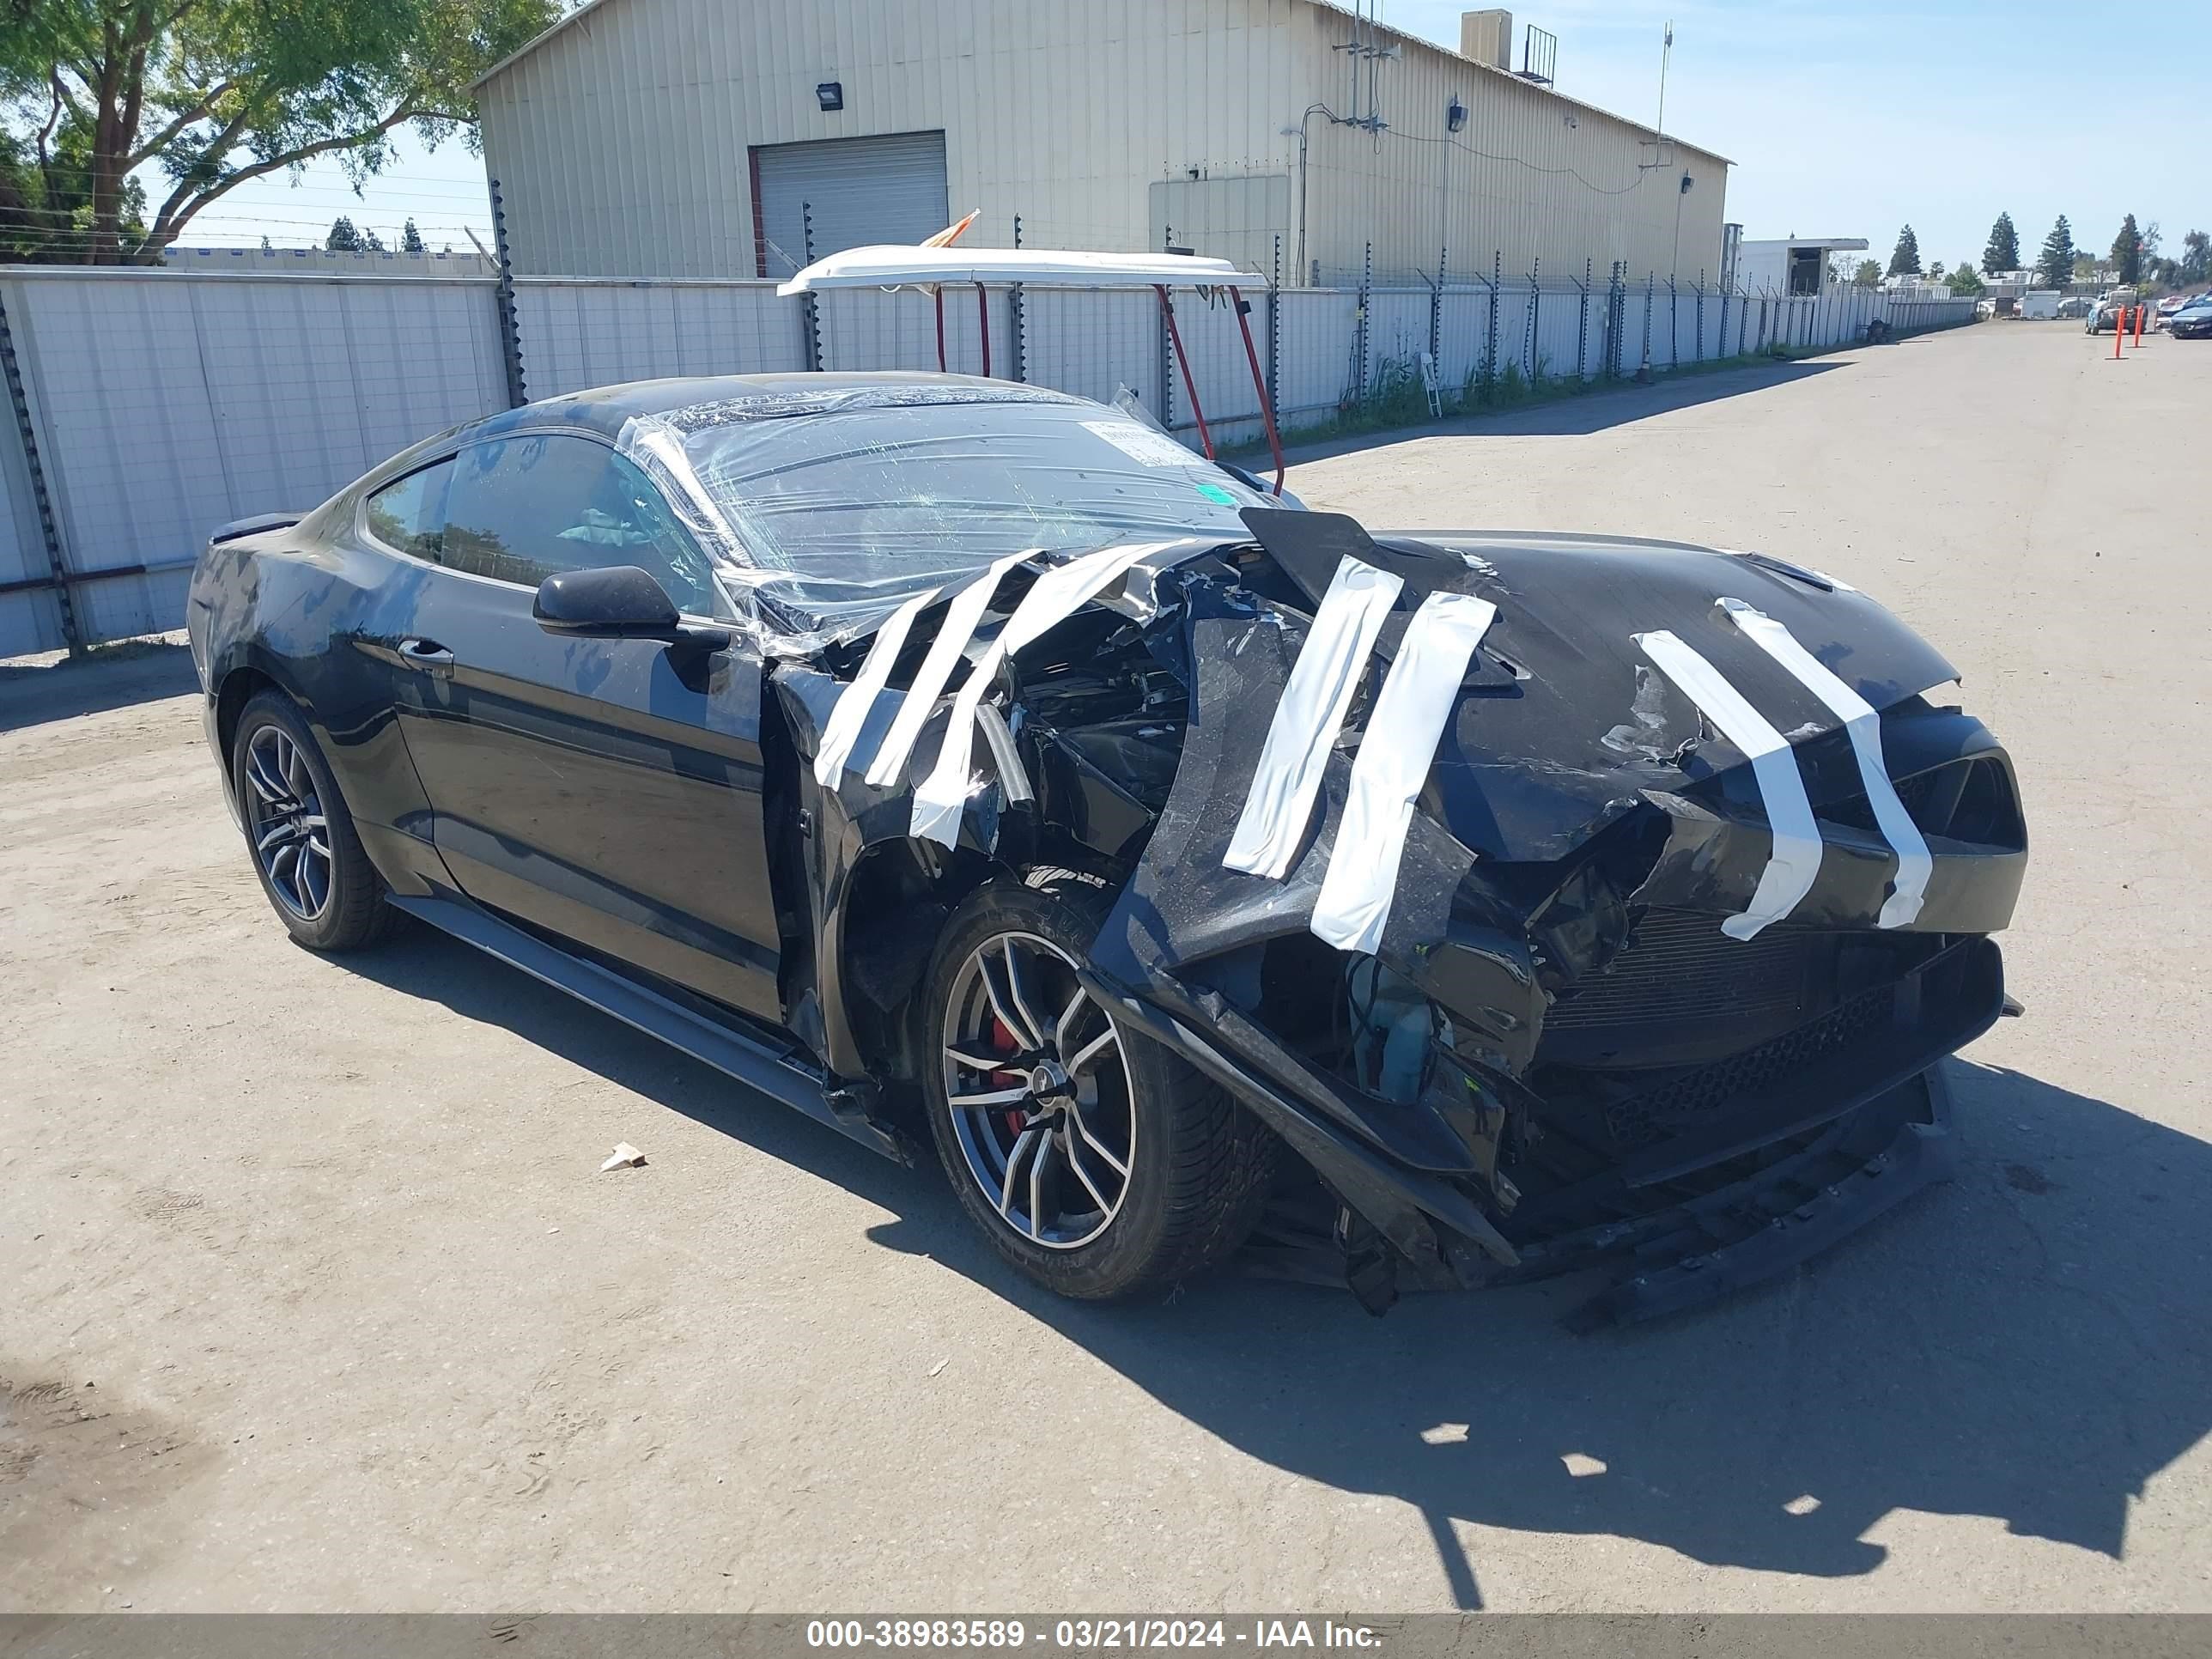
(1094, 1161)
(305, 849)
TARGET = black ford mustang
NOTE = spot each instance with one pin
(956, 760)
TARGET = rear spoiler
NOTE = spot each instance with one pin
(253, 526)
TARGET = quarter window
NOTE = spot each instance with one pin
(410, 514)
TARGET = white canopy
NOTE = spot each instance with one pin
(907, 266)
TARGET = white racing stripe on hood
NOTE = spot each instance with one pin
(1794, 863)
(1417, 698)
(1316, 699)
(1057, 595)
(1914, 864)
(952, 634)
(842, 729)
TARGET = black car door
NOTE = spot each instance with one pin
(598, 788)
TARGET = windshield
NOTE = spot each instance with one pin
(832, 508)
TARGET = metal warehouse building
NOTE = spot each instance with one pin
(703, 138)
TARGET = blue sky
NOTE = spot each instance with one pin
(1843, 120)
(1854, 120)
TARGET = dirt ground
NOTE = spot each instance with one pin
(316, 1298)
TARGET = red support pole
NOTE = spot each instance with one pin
(939, 296)
(1175, 339)
(2139, 322)
(2119, 334)
(983, 322)
(1260, 385)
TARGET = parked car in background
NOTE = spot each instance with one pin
(2108, 312)
(2162, 314)
(2075, 305)
(2193, 321)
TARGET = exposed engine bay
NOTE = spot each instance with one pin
(1664, 889)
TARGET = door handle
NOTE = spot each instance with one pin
(427, 655)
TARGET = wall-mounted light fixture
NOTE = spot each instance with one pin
(1455, 116)
(830, 94)
(1689, 183)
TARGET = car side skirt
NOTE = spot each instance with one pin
(777, 1074)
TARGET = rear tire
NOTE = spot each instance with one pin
(300, 836)
(1094, 1161)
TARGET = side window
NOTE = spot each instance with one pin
(409, 513)
(521, 508)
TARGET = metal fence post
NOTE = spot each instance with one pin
(1490, 346)
(1366, 277)
(510, 332)
(1276, 336)
(1650, 294)
(1701, 316)
(1436, 313)
(1535, 311)
(1166, 351)
(809, 307)
(1616, 317)
(27, 432)
(1674, 331)
(1582, 326)
(1016, 322)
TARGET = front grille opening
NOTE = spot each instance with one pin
(1969, 800)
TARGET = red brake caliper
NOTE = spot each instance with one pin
(1005, 1078)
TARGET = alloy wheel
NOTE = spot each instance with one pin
(284, 818)
(1039, 1091)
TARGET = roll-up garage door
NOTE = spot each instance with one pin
(858, 191)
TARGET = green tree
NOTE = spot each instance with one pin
(410, 240)
(1868, 274)
(46, 198)
(213, 92)
(2002, 252)
(344, 238)
(1935, 270)
(2128, 252)
(2195, 257)
(2055, 264)
(1904, 258)
(1964, 279)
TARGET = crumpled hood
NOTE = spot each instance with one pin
(1539, 757)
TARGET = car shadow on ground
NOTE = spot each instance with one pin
(35, 691)
(2029, 1342)
(1577, 416)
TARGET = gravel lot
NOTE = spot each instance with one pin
(317, 1299)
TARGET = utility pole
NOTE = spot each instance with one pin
(1666, 51)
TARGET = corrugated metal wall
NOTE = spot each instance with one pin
(577, 334)
(165, 404)
(621, 143)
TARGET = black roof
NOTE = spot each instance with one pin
(731, 396)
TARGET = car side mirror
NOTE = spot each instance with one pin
(622, 602)
(618, 601)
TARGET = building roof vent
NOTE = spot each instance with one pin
(1487, 37)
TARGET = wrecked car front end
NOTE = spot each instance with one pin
(1564, 1047)
(1555, 900)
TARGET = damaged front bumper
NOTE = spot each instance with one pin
(1610, 1075)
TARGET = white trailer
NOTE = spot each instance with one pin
(2039, 305)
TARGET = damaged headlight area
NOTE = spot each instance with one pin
(1684, 889)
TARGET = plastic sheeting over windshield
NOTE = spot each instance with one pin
(825, 513)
